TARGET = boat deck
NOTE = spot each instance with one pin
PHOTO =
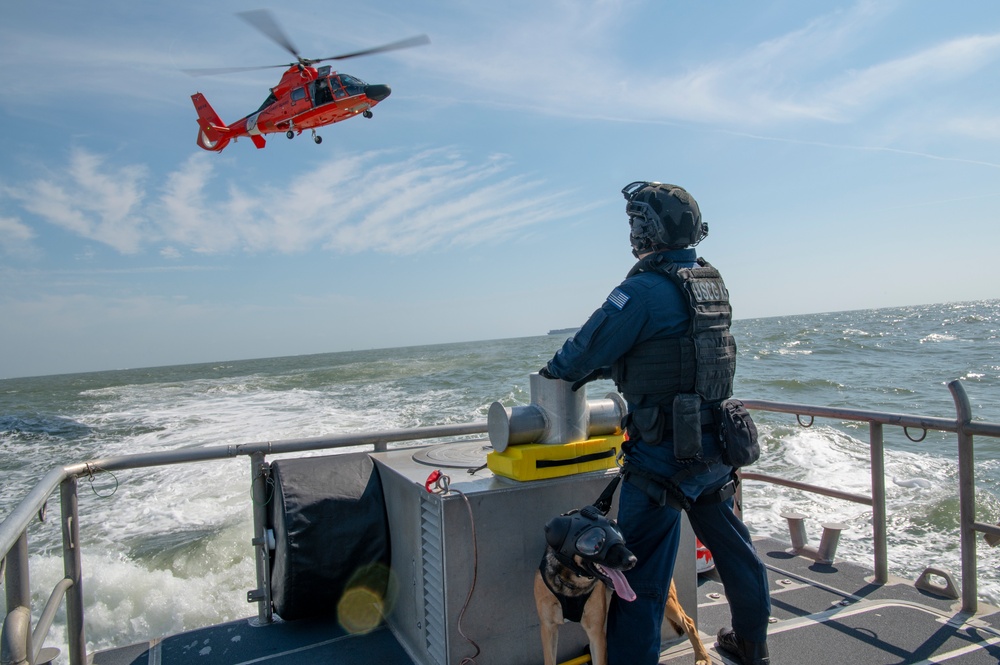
(821, 613)
(834, 614)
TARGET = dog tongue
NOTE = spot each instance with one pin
(622, 587)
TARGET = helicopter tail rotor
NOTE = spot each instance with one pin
(213, 134)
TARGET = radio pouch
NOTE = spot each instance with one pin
(738, 434)
(687, 426)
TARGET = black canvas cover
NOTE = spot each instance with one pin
(330, 527)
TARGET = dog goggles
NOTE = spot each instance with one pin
(586, 532)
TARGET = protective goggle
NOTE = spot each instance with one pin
(586, 532)
(639, 209)
(629, 190)
(591, 542)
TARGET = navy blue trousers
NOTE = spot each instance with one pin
(652, 533)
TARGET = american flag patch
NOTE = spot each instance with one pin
(618, 298)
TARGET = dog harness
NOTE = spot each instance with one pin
(572, 606)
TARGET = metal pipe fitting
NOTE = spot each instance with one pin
(555, 415)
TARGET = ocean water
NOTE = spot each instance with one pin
(166, 550)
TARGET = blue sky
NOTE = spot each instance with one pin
(846, 155)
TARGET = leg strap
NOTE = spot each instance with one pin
(667, 491)
(721, 494)
(663, 491)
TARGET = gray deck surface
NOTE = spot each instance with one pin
(824, 614)
(239, 642)
(833, 614)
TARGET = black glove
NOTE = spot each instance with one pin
(546, 373)
(599, 373)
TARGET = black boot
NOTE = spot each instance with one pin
(747, 653)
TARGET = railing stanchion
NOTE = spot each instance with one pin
(966, 500)
(17, 581)
(17, 624)
(73, 569)
(879, 519)
(262, 553)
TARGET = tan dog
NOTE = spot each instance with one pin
(583, 562)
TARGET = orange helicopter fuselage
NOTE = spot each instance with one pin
(305, 98)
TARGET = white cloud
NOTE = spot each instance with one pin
(860, 91)
(390, 203)
(91, 200)
(833, 68)
(978, 127)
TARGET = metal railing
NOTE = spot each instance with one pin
(962, 426)
(20, 644)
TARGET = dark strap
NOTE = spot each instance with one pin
(667, 491)
(721, 494)
(603, 502)
(664, 491)
(548, 463)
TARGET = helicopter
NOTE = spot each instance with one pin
(305, 98)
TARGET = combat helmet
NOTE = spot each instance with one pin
(662, 216)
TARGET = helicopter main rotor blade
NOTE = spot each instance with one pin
(264, 21)
(231, 70)
(419, 40)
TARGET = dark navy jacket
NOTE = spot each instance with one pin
(644, 306)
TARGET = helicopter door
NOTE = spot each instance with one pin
(321, 92)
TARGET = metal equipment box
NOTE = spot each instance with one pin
(464, 561)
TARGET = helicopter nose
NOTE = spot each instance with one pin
(377, 92)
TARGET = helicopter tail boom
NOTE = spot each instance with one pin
(213, 134)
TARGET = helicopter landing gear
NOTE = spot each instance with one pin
(290, 134)
(316, 138)
(366, 113)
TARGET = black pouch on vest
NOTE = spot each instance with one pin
(738, 434)
(649, 424)
(687, 426)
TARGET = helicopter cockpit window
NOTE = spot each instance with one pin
(338, 91)
(352, 85)
(298, 94)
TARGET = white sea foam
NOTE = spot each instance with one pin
(938, 337)
(921, 508)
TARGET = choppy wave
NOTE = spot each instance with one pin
(168, 549)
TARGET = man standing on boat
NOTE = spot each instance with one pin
(663, 337)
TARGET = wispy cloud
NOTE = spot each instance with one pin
(15, 236)
(858, 91)
(390, 203)
(90, 199)
(566, 58)
(832, 68)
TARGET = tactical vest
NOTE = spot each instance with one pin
(702, 361)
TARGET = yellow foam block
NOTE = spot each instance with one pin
(537, 461)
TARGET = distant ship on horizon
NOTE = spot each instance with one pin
(563, 331)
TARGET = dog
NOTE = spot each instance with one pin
(585, 558)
